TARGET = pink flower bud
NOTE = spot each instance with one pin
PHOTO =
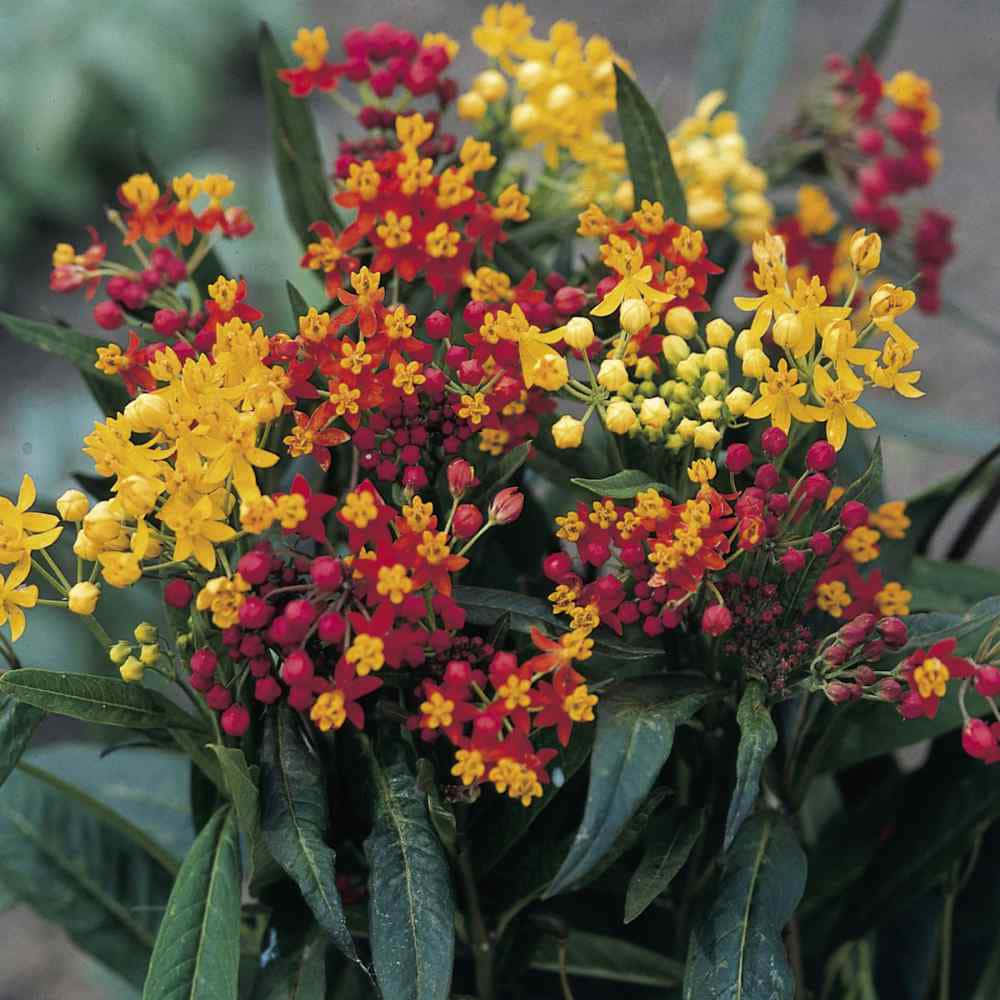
(297, 668)
(467, 521)
(204, 662)
(893, 631)
(793, 561)
(821, 456)
(461, 477)
(507, 506)
(977, 740)
(817, 487)
(840, 693)
(857, 630)
(255, 612)
(178, 593)
(108, 316)
(267, 690)
(987, 681)
(218, 698)
(836, 654)
(821, 543)
(556, 566)
(767, 476)
(235, 720)
(889, 689)
(716, 620)
(739, 458)
(326, 572)
(865, 676)
(255, 566)
(773, 441)
(853, 515)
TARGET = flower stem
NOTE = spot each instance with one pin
(482, 950)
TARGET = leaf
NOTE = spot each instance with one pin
(411, 912)
(758, 737)
(669, 842)
(736, 950)
(882, 32)
(18, 722)
(241, 787)
(862, 489)
(442, 815)
(742, 51)
(73, 869)
(940, 585)
(649, 162)
(635, 733)
(515, 259)
(499, 472)
(197, 951)
(92, 698)
(296, 300)
(298, 157)
(294, 815)
(599, 957)
(623, 485)
(298, 976)
(485, 606)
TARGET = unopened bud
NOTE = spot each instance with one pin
(507, 506)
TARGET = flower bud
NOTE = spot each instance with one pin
(821, 456)
(706, 436)
(853, 515)
(680, 321)
(506, 506)
(438, 325)
(987, 681)
(634, 315)
(821, 543)
(755, 363)
(72, 505)
(793, 561)
(612, 375)
(977, 739)
(569, 300)
(149, 654)
(716, 360)
(119, 653)
(893, 631)
(491, 85)
(326, 572)
(83, 598)
(839, 693)
(579, 333)
(101, 524)
(718, 333)
(204, 662)
(654, 413)
(836, 654)
(255, 566)
(709, 408)
(557, 566)
(146, 412)
(817, 487)
(297, 668)
(767, 477)
(787, 330)
(675, 349)
(620, 418)
(856, 631)
(218, 698)
(567, 432)
(773, 441)
(739, 401)
(716, 620)
(689, 370)
(865, 251)
(467, 521)
(739, 458)
(235, 720)
(889, 689)
(131, 671)
(461, 477)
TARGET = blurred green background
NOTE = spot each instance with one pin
(83, 85)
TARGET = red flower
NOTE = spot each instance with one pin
(318, 505)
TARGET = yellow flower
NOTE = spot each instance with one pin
(328, 711)
(629, 262)
(702, 470)
(862, 544)
(394, 583)
(931, 678)
(567, 432)
(895, 357)
(838, 406)
(893, 599)
(579, 704)
(473, 408)
(366, 652)
(832, 598)
(839, 345)
(891, 519)
(83, 598)
(23, 531)
(807, 301)
(197, 526)
(223, 597)
(14, 598)
(815, 213)
(781, 398)
(469, 766)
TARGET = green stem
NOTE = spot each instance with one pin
(482, 951)
(946, 932)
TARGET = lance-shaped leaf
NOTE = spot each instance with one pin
(60, 857)
(241, 787)
(411, 911)
(649, 162)
(758, 738)
(623, 485)
(294, 821)
(636, 722)
(93, 698)
(197, 951)
(300, 975)
(297, 153)
(882, 32)
(736, 950)
(742, 51)
(18, 722)
(668, 845)
(599, 957)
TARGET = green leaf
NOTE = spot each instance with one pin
(515, 259)
(18, 722)
(596, 956)
(58, 857)
(294, 816)
(298, 976)
(623, 485)
(635, 732)
(197, 952)
(736, 950)
(649, 162)
(668, 844)
(241, 787)
(940, 585)
(297, 301)
(864, 488)
(758, 737)
(298, 157)
(411, 911)
(742, 51)
(499, 472)
(92, 698)
(441, 813)
(882, 33)
(485, 606)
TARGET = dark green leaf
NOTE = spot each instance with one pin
(649, 162)
(742, 51)
(92, 698)
(668, 844)
(978, 519)
(515, 259)
(623, 485)
(110, 394)
(298, 976)
(411, 911)
(197, 951)
(636, 721)
(76, 871)
(441, 813)
(499, 472)
(882, 33)
(736, 950)
(949, 586)
(485, 606)
(862, 489)
(298, 157)
(296, 300)
(758, 738)
(99, 487)
(241, 786)
(18, 722)
(599, 957)
(294, 821)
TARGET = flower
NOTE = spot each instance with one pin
(838, 406)
(23, 531)
(781, 398)
(14, 598)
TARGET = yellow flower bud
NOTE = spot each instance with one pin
(550, 371)
(739, 401)
(83, 598)
(689, 369)
(119, 653)
(530, 74)
(702, 470)
(645, 368)
(686, 428)
(716, 360)
(147, 412)
(681, 322)
(490, 85)
(634, 315)
(787, 330)
(755, 363)
(620, 417)
(674, 442)
(471, 106)
(561, 96)
(719, 333)
(579, 333)
(707, 436)
(148, 655)
(745, 340)
(713, 384)
(865, 251)
(86, 548)
(102, 524)
(624, 197)
(682, 393)
(138, 495)
(675, 349)
(145, 632)
(710, 408)
(707, 212)
(131, 671)
(567, 432)
(73, 505)
(524, 117)
(654, 413)
(612, 375)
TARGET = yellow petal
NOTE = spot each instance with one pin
(16, 616)
(26, 495)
